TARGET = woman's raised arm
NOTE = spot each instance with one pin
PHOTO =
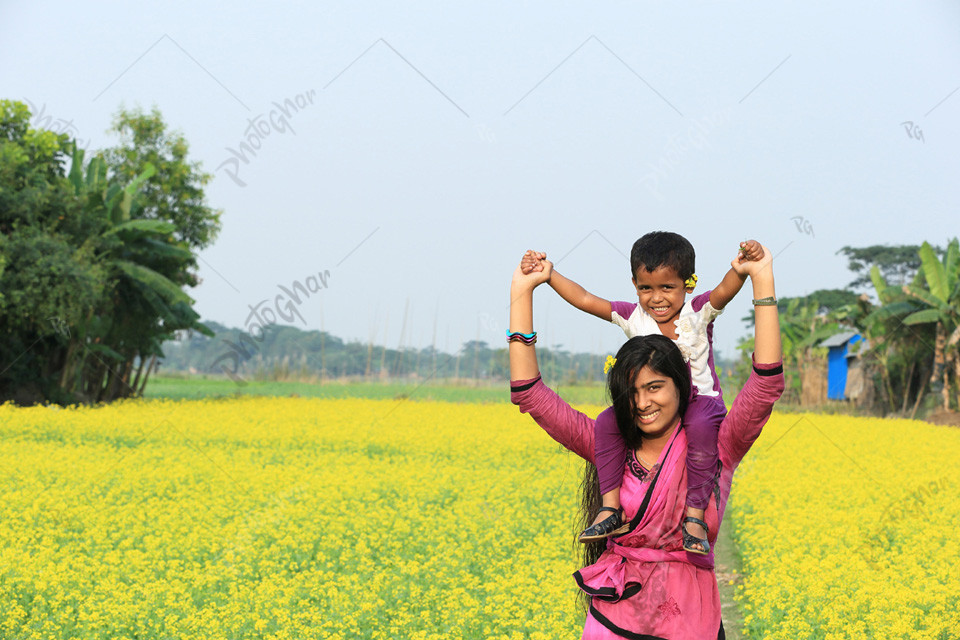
(523, 357)
(753, 405)
(767, 348)
(569, 427)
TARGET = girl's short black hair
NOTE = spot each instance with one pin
(660, 354)
(663, 249)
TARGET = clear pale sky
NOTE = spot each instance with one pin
(442, 140)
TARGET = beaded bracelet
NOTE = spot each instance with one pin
(769, 301)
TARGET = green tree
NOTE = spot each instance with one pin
(143, 304)
(803, 324)
(839, 302)
(899, 352)
(91, 282)
(176, 193)
(897, 264)
(48, 284)
(939, 296)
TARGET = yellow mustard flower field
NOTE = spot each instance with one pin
(848, 528)
(316, 518)
(284, 518)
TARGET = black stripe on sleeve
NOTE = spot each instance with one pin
(776, 371)
(524, 387)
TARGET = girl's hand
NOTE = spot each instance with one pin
(752, 259)
(750, 250)
(537, 273)
(531, 261)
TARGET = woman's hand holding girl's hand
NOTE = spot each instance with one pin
(750, 250)
(531, 261)
(534, 270)
(752, 259)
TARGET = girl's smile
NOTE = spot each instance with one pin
(661, 294)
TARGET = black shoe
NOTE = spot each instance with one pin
(611, 526)
(689, 539)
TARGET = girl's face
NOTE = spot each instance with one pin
(656, 403)
(661, 292)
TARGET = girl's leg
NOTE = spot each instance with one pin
(611, 457)
(702, 423)
(609, 499)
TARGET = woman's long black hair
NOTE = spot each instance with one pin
(663, 356)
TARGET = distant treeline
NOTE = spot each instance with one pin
(282, 352)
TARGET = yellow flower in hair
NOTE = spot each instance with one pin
(690, 282)
(609, 364)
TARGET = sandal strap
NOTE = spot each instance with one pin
(697, 521)
(606, 525)
(689, 539)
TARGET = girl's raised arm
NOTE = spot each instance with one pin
(729, 287)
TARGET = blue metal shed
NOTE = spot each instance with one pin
(838, 346)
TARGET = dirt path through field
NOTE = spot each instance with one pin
(727, 565)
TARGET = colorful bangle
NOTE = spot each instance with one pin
(525, 338)
(769, 301)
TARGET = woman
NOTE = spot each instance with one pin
(644, 585)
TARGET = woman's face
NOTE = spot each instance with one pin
(656, 402)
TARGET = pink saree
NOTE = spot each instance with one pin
(645, 585)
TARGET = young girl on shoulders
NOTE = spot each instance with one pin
(662, 266)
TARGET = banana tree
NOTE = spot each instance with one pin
(940, 305)
(143, 303)
(802, 326)
(899, 350)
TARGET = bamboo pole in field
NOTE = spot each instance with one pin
(416, 367)
(433, 347)
(446, 345)
(372, 336)
(476, 353)
(456, 370)
(383, 352)
(403, 332)
(323, 349)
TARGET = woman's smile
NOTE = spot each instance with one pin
(650, 417)
(656, 402)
